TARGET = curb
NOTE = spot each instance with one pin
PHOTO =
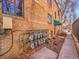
(76, 42)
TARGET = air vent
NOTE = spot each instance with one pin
(7, 22)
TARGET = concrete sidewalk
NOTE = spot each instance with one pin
(68, 50)
(44, 53)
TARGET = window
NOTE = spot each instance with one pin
(55, 15)
(19, 7)
(0, 0)
(49, 2)
(58, 13)
(49, 19)
(13, 7)
(8, 6)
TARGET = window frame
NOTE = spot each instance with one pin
(55, 15)
(14, 10)
(50, 16)
(58, 13)
(3, 10)
(50, 4)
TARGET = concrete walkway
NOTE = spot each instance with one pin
(68, 50)
(44, 53)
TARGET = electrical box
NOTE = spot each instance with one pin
(7, 22)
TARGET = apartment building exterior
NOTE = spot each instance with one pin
(24, 15)
(56, 15)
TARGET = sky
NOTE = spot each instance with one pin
(77, 8)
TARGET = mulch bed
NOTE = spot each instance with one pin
(56, 43)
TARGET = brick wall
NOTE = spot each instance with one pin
(35, 17)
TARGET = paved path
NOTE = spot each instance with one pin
(68, 50)
(44, 53)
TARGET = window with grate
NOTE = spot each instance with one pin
(12, 7)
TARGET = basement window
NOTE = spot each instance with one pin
(12, 7)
